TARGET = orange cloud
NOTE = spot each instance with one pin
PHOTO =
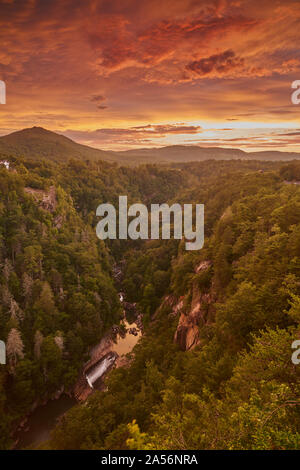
(96, 64)
(222, 64)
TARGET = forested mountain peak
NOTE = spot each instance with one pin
(37, 142)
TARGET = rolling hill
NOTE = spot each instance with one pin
(37, 142)
(185, 153)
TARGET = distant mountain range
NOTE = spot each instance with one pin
(37, 142)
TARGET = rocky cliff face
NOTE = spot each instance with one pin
(199, 313)
(46, 199)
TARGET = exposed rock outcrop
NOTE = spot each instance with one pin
(170, 301)
(199, 313)
(203, 266)
(81, 389)
(46, 199)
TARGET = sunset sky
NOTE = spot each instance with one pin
(123, 74)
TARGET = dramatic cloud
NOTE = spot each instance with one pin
(168, 129)
(133, 136)
(220, 64)
(120, 65)
(98, 99)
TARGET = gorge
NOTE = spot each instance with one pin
(110, 353)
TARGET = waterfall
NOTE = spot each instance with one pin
(99, 370)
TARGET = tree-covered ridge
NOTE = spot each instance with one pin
(57, 294)
(238, 387)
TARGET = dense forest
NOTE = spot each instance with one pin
(213, 369)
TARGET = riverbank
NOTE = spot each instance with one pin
(112, 351)
(41, 421)
(118, 343)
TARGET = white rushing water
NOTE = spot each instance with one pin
(99, 370)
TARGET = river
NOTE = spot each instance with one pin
(41, 422)
(125, 344)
